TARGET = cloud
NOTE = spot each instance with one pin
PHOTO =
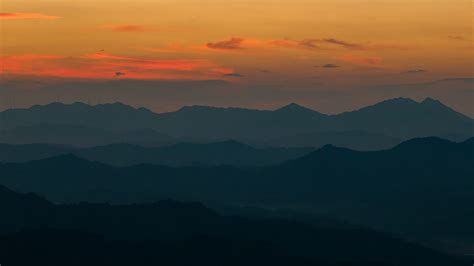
(313, 43)
(18, 16)
(344, 44)
(309, 43)
(295, 44)
(241, 45)
(367, 61)
(234, 75)
(464, 40)
(230, 44)
(464, 80)
(133, 28)
(330, 66)
(457, 38)
(107, 66)
(331, 43)
(414, 71)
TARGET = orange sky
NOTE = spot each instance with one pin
(342, 43)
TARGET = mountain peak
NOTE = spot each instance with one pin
(431, 101)
(393, 104)
(425, 143)
(294, 107)
(399, 100)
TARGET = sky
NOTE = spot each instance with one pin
(331, 55)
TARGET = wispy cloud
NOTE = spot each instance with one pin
(313, 43)
(19, 16)
(329, 66)
(108, 66)
(230, 44)
(234, 75)
(309, 43)
(345, 44)
(134, 28)
(414, 71)
(296, 44)
(249, 45)
(457, 38)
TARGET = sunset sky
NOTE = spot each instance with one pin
(299, 50)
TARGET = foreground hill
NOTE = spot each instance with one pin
(181, 154)
(147, 234)
(382, 125)
(402, 190)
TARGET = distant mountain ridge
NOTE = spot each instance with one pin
(116, 116)
(392, 121)
(180, 154)
(406, 118)
(80, 135)
(396, 190)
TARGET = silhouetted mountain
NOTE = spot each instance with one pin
(181, 154)
(203, 122)
(294, 109)
(56, 134)
(30, 152)
(405, 118)
(78, 135)
(160, 233)
(377, 126)
(469, 142)
(116, 116)
(402, 190)
(22, 210)
(396, 118)
(358, 140)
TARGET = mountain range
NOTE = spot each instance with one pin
(181, 154)
(379, 126)
(401, 191)
(160, 233)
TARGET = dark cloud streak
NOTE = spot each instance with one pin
(344, 44)
(234, 75)
(330, 66)
(414, 71)
(230, 44)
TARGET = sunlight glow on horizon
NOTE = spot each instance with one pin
(290, 45)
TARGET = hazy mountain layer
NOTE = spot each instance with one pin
(379, 126)
(181, 154)
(151, 234)
(402, 190)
